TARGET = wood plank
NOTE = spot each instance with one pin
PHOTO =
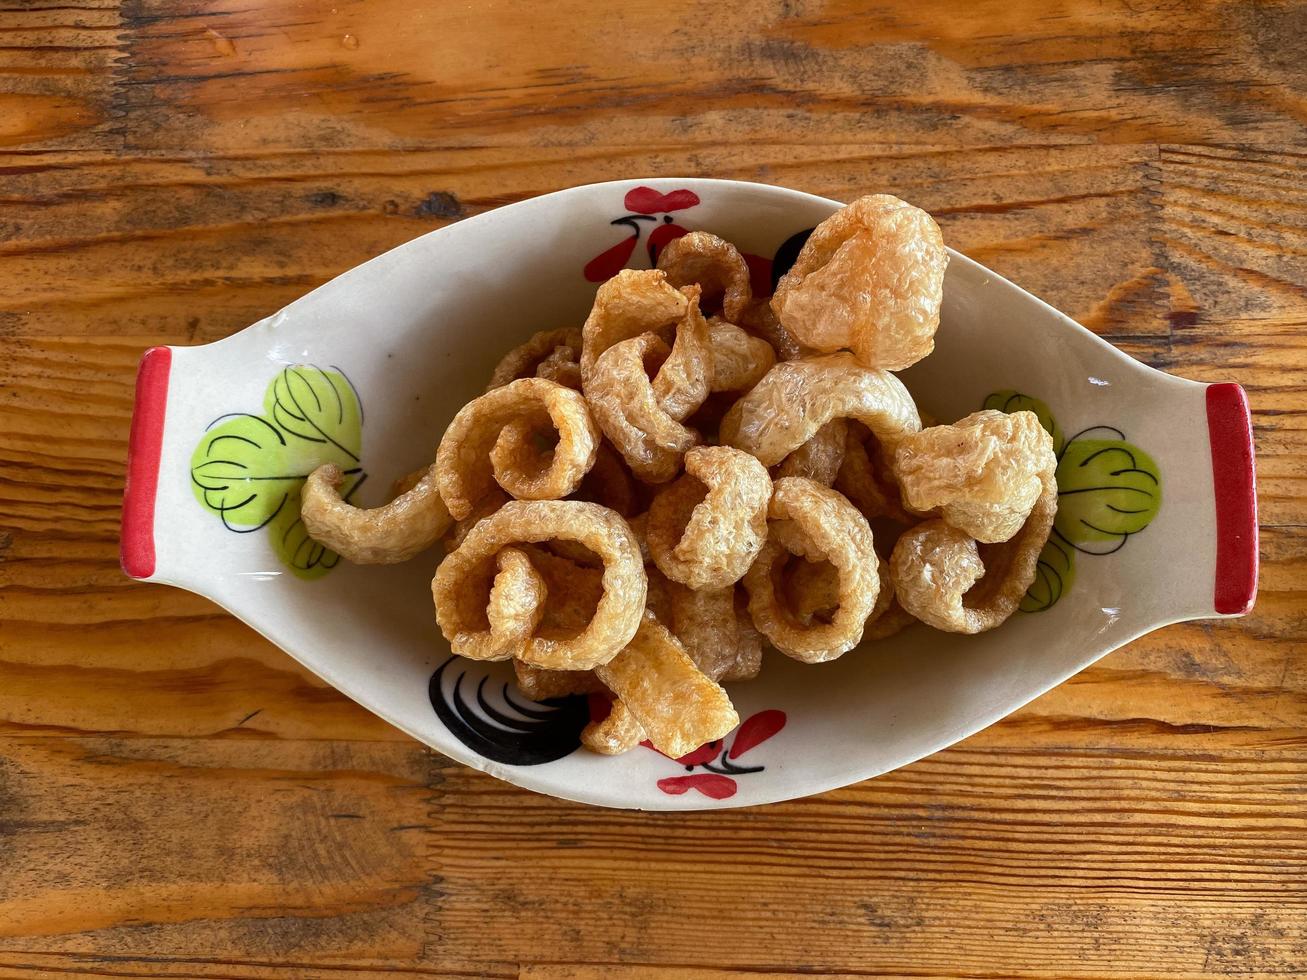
(189, 250)
(58, 68)
(275, 849)
(230, 75)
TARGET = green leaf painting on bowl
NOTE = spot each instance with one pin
(1108, 490)
(248, 469)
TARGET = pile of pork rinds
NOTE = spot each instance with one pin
(636, 507)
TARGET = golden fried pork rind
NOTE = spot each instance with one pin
(539, 684)
(748, 643)
(461, 594)
(515, 607)
(819, 458)
(705, 529)
(629, 304)
(615, 734)
(869, 279)
(739, 360)
(682, 382)
(552, 354)
(943, 579)
(817, 524)
(716, 265)
(409, 524)
(796, 398)
(983, 473)
(704, 621)
(623, 401)
(866, 478)
(490, 440)
(675, 703)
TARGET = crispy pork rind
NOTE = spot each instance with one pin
(812, 589)
(944, 579)
(551, 354)
(704, 621)
(515, 607)
(819, 458)
(869, 279)
(739, 360)
(461, 594)
(682, 382)
(540, 684)
(610, 483)
(631, 303)
(624, 404)
(816, 524)
(705, 529)
(493, 499)
(983, 473)
(796, 398)
(615, 734)
(676, 704)
(867, 479)
(490, 440)
(748, 643)
(715, 265)
(408, 525)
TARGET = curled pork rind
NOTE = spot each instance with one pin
(461, 594)
(629, 304)
(715, 265)
(983, 473)
(682, 382)
(490, 441)
(409, 524)
(944, 579)
(617, 733)
(539, 684)
(704, 621)
(819, 458)
(676, 704)
(739, 360)
(796, 398)
(867, 480)
(818, 524)
(627, 410)
(705, 530)
(552, 354)
(812, 589)
(515, 607)
(869, 279)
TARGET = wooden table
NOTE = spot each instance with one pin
(179, 799)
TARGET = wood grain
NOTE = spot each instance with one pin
(179, 799)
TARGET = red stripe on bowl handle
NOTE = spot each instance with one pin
(143, 451)
(1229, 426)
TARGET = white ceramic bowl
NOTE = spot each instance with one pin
(411, 335)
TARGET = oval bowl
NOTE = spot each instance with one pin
(1157, 519)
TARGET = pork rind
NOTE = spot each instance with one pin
(624, 404)
(796, 398)
(491, 501)
(748, 643)
(706, 528)
(704, 621)
(408, 525)
(869, 279)
(983, 473)
(866, 478)
(540, 684)
(551, 354)
(629, 304)
(682, 382)
(676, 704)
(610, 483)
(817, 524)
(490, 441)
(812, 589)
(819, 459)
(461, 593)
(739, 360)
(716, 265)
(943, 579)
(515, 607)
(617, 733)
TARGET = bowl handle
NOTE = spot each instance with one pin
(144, 451)
(1234, 482)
